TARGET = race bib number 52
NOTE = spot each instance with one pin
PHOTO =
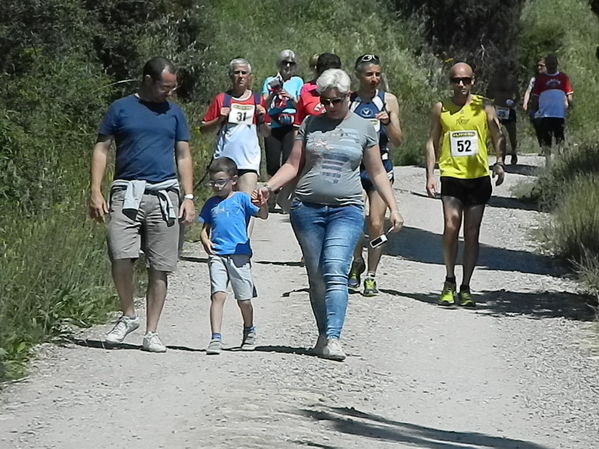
(463, 143)
(242, 113)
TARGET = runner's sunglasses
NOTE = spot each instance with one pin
(465, 81)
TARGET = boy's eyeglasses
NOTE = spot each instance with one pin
(465, 81)
(218, 182)
(331, 101)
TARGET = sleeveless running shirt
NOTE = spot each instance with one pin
(368, 110)
(464, 131)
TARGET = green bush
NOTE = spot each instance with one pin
(573, 234)
(577, 160)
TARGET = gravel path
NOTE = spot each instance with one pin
(520, 371)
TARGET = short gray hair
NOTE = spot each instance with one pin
(285, 55)
(333, 79)
(239, 61)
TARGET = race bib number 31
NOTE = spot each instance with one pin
(242, 114)
(463, 143)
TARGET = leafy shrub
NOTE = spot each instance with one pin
(576, 161)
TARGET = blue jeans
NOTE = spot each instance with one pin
(327, 236)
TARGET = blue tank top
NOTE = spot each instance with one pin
(368, 110)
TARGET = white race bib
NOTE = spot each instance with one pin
(242, 113)
(463, 143)
(502, 113)
(376, 123)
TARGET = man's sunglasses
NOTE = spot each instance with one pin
(465, 81)
(370, 58)
(331, 101)
(240, 72)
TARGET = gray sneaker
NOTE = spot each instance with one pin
(333, 350)
(152, 343)
(214, 347)
(249, 341)
(125, 325)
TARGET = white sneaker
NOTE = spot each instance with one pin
(320, 345)
(333, 350)
(125, 325)
(152, 343)
(214, 347)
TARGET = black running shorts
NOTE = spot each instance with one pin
(471, 192)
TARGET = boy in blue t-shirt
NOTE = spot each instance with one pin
(225, 238)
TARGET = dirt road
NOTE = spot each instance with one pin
(520, 371)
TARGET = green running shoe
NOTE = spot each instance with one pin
(465, 299)
(447, 297)
(370, 287)
(357, 268)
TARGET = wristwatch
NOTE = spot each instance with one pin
(188, 196)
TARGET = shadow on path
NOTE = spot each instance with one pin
(535, 305)
(285, 350)
(100, 344)
(354, 422)
(523, 169)
(425, 246)
(503, 202)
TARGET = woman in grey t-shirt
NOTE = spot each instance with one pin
(327, 210)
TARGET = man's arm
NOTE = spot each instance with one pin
(432, 149)
(97, 204)
(185, 168)
(393, 128)
(498, 141)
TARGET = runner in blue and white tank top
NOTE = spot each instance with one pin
(382, 110)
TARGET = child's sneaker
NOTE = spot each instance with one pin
(214, 347)
(249, 341)
(152, 343)
(125, 325)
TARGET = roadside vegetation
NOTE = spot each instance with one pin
(65, 60)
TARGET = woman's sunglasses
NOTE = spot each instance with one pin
(331, 101)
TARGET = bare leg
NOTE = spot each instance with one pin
(376, 227)
(247, 312)
(122, 274)
(473, 216)
(216, 311)
(247, 182)
(452, 213)
(155, 296)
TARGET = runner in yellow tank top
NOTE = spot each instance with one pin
(464, 146)
(460, 128)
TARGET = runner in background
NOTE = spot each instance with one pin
(382, 110)
(309, 101)
(503, 90)
(238, 117)
(540, 68)
(281, 93)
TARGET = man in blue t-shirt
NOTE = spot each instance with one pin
(151, 138)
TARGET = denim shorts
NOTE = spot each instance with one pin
(234, 269)
(147, 231)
